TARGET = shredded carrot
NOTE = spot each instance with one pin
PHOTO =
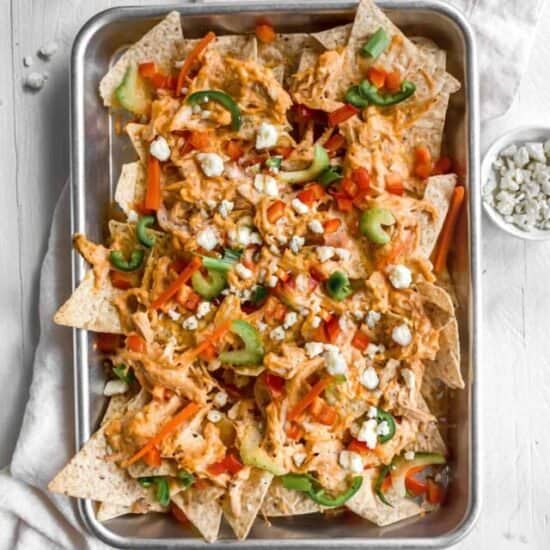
(309, 398)
(152, 194)
(440, 256)
(152, 458)
(175, 422)
(181, 279)
(265, 33)
(191, 58)
(218, 333)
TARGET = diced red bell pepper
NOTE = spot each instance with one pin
(344, 205)
(377, 76)
(265, 33)
(335, 142)
(361, 177)
(357, 446)
(275, 211)
(275, 384)
(234, 150)
(443, 165)
(414, 485)
(435, 492)
(134, 342)
(229, 464)
(394, 183)
(332, 328)
(121, 280)
(192, 301)
(327, 415)
(108, 343)
(147, 69)
(393, 81)
(342, 114)
(209, 353)
(349, 187)
(332, 225)
(360, 340)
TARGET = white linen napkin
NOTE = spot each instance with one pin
(30, 517)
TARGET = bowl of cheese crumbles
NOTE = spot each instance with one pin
(515, 176)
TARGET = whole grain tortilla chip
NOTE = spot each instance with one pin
(140, 469)
(428, 437)
(91, 308)
(281, 502)
(202, 509)
(239, 46)
(247, 496)
(89, 475)
(131, 186)
(135, 132)
(439, 307)
(438, 192)
(161, 44)
(108, 510)
(333, 38)
(366, 504)
(116, 407)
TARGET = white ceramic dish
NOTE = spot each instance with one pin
(518, 136)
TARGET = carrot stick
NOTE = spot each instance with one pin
(308, 399)
(152, 194)
(218, 333)
(440, 256)
(191, 58)
(175, 422)
(181, 279)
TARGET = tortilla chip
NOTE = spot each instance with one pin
(250, 495)
(115, 408)
(428, 437)
(431, 50)
(91, 308)
(134, 131)
(366, 504)
(108, 510)
(438, 192)
(235, 45)
(440, 310)
(140, 469)
(89, 475)
(161, 44)
(202, 509)
(131, 186)
(281, 502)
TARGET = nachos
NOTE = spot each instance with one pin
(272, 303)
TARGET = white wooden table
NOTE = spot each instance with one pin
(34, 155)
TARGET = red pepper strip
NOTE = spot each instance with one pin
(135, 343)
(342, 114)
(108, 343)
(190, 60)
(181, 279)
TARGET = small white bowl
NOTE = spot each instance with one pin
(519, 136)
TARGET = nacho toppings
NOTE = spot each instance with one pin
(272, 322)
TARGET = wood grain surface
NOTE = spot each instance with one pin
(515, 371)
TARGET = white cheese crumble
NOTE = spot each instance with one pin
(343, 253)
(220, 399)
(316, 321)
(27, 61)
(48, 50)
(409, 455)
(266, 184)
(298, 206)
(190, 323)
(243, 272)
(266, 136)
(372, 412)
(262, 327)
(402, 335)
(296, 243)
(277, 334)
(211, 164)
(400, 276)
(225, 208)
(372, 318)
(369, 378)
(383, 428)
(519, 185)
(299, 458)
(207, 238)
(160, 149)
(115, 387)
(133, 216)
(324, 253)
(35, 81)
(368, 433)
(272, 281)
(173, 314)
(335, 362)
(291, 318)
(373, 349)
(214, 416)
(351, 461)
(203, 309)
(313, 349)
(315, 226)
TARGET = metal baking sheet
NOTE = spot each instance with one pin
(97, 155)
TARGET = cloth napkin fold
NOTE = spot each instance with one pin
(30, 517)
